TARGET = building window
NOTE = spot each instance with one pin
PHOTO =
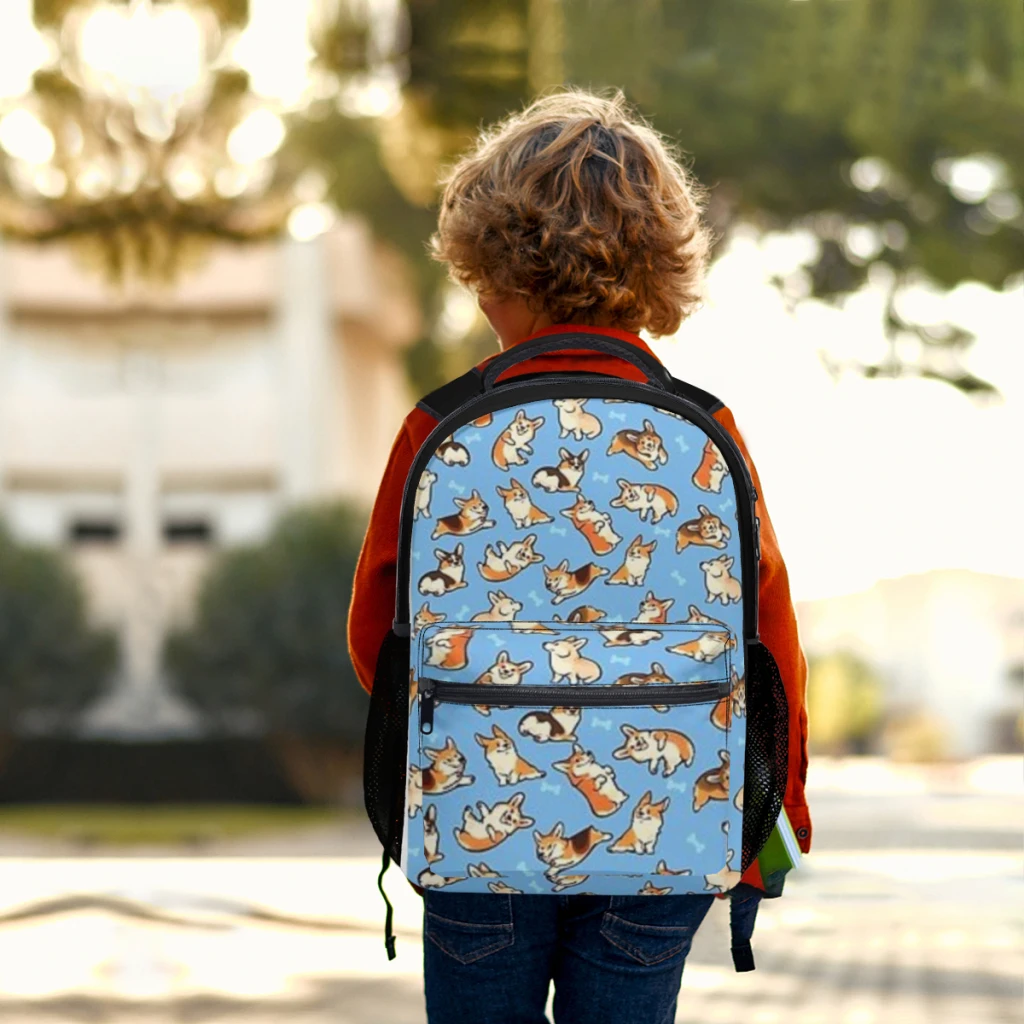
(94, 530)
(188, 531)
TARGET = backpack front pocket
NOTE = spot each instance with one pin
(583, 757)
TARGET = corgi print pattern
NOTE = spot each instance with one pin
(549, 549)
(470, 517)
(512, 448)
(520, 506)
(594, 782)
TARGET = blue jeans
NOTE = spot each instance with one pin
(489, 959)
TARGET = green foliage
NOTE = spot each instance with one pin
(844, 703)
(780, 104)
(269, 634)
(52, 663)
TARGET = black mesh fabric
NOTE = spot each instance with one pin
(767, 750)
(384, 750)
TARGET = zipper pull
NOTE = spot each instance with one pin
(426, 706)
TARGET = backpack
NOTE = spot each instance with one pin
(573, 697)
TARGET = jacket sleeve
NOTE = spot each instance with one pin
(778, 629)
(373, 590)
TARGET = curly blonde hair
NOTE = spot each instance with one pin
(577, 205)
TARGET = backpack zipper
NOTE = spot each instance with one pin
(435, 691)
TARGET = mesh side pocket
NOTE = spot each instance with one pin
(384, 750)
(767, 750)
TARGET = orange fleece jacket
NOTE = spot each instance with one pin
(373, 595)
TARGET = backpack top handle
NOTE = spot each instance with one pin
(655, 373)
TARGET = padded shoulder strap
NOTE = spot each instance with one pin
(704, 399)
(449, 397)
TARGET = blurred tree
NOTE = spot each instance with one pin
(844, 702)
(266, 649)
(52, 663)
(892, 130)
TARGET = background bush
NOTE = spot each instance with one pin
(52, 662)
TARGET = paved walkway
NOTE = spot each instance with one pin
(909, 912)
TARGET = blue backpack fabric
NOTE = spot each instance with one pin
(573, 697)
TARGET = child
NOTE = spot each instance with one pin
(573, 212)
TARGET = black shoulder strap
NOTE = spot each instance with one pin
(449, 397)
(704, 399)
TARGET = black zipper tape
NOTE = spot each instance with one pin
(506, 396)
(436, 691)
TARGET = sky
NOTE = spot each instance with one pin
(863, 479)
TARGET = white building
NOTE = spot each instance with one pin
(143, 429)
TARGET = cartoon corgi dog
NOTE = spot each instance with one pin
(664, 869)
(633, 570)
(471, 517)
(431, 838)
(654, 746)
(501, 754)
(558, 851)
(558, 725)
(449, 574)
(513, 443)
(452, 453)
(530, 626)
(712, 784)
(503, 608)
(414, 689)
(484, 421)
(718, 582)
(646, 499)
(424, 491)
(574, 419)
(696, 617)
(481, 870)
(708, 530)
(505, 561)
(428, 879)
(566, 583)
(643, 445)
(505, 672)
(413, 790)
(449, 648)
(733, 704)
(650, 889)
(645, 827)
(566, 475)
(425, 617)
(711, 471)
(568, 664)
(504, 889)
(618, 637)
(656, 677)
(726, 877)
(562, 882)
(707, 647)
(446, 771)
(654, 610)
(594, 782)
(738, 800)
(585, 613)
(595, 526)
(491, 826)
(520, 507)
